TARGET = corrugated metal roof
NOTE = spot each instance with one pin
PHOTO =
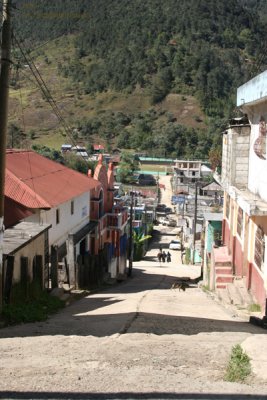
(98, 147)
(37, 182)
(213, 216)
(212, 186)
(20, 235)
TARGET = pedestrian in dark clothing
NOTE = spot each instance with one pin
(164, 255)
(159, 255)
(168, 257)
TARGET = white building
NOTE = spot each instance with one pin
(55, 195)
(244, 179)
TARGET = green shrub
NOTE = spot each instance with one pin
(187, 256)
(36, 307)
(254, 308)
(239, 365)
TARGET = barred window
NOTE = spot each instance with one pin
(227, 206)
(240, 221)
(259, 247)
(72, 207)
(57, 216)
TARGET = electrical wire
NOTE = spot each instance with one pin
(47, 94)
(28, 147)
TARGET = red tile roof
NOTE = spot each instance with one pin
(37, 182)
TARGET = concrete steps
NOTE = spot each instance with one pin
(227, 269)
(223, 269)
(221, 280)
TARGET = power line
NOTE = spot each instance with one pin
(47, 94)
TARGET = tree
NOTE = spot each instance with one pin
(215, 157)
(47, 152)
(139, 239)
(79, 164)
(127, 167)
(15, 137)
(161, 84)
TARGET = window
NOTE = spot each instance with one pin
(57, 216)
(227, 206)
(259, 247)
(72, 207)
(239, 221)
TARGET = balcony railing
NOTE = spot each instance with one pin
(117, 221)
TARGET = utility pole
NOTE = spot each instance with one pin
(4, 91)
(131, 237)
(194, 226)
(158, 195)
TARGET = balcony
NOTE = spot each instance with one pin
(103, 223)
(117, 220)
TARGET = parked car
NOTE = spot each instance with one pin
(167, 222)
(175, 245)
(168, 210)
(161, 207)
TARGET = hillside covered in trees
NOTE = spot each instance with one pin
(201, 49)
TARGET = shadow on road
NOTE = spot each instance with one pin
(126, 395)
(98, 315)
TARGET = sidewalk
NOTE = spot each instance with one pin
(255, 345)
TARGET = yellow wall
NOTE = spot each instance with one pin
(35, 247)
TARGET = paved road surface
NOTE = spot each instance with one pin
(139, 339)
(136, 340)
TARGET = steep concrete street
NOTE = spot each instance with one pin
(138, 339)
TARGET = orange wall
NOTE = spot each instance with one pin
(238, 257)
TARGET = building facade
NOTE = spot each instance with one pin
(244, 179)
(55, 195)
(185, 174)
(87, 239)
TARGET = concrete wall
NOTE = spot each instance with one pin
(254, 90)
(238, 257)
(35, 247)
(256, 286)
(257, 182)
(235, 157)
(69, 223)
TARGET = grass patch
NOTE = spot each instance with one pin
(205, 288)
(187, 256)
(155, 168)
(54, 140)
(37, 307)
(254, 308)
(239, 367)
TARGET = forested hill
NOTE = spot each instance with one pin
(201, 48)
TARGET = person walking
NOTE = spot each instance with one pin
(168, 257)
(159, 255)
(164, 255)
(182, 252)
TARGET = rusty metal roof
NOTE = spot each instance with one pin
(37, 182)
